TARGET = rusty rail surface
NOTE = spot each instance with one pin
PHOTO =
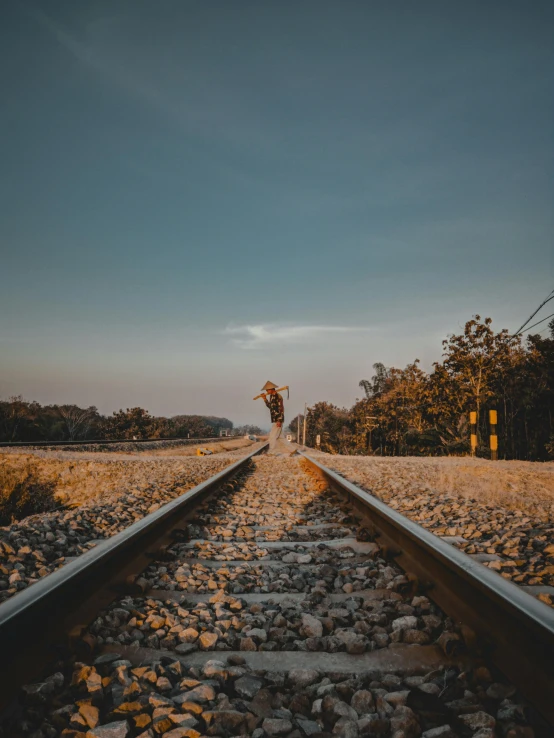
(38, 624)
(508, 626)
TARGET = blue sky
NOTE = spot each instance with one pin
(200, 196)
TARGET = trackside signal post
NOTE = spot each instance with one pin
(473, 424)
(493, 436)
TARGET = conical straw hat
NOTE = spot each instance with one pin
(268, 386)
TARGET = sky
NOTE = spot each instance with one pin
(196, 197)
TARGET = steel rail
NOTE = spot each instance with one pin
(38, 624)
(507, 625)
(108, 441)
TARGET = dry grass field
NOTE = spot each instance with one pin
(73, 480)
(524, 486)
(38, 480)
(217, 447)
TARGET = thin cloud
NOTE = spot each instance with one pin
(264, 335)
(89, 54)
(209, 108)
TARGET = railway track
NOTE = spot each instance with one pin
(276, 598)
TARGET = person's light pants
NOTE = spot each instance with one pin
(274, 435)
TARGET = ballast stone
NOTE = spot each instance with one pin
(248, 686)
(407, 622)
(277, 726)
(444, 731)
(118, 729)
(313, 628)
(301, 678)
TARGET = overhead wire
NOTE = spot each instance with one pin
(543, 331)
(549, 297)
(539, 322)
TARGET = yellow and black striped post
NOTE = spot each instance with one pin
(494, 437)
(473, 424)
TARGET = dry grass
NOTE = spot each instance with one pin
(515, 485)
(78, 477)
(39, 479)
(24, 490)
(216, 447)
(77, 480)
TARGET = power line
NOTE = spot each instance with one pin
(543, 330)
(549, 297)
(539, 322)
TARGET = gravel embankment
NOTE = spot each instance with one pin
(503, 511)
(223, 605)
(107, 498)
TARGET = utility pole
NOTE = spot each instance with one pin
(304, 430)
(494, 437)
(298, 429)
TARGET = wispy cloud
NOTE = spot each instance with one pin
(203, 106)
(264, 335)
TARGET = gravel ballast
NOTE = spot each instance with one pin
(114, 495)
(500, 512)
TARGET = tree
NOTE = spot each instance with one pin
(330, 422)
(379, 380)
(473, 360)
(135, 422)
(17, 419)
(293, 425)
(407, 411)
(535, 420)
(77, 420)
(197, 426)
(249, 430)
(29, 421)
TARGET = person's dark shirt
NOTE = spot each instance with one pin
(276, 407)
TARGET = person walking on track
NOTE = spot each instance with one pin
(274, 402)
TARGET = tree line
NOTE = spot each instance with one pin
(21, 420)
(412, 412)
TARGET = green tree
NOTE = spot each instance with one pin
(333, 424)
(473, 360)
(407, 411)
(135, 422)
